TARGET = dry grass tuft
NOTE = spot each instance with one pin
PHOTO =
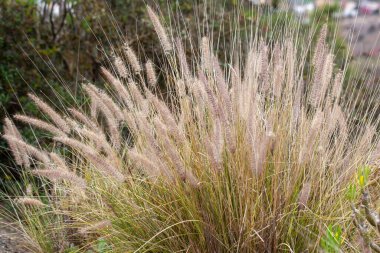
(233, 161)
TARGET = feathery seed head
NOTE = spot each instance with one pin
(29, 150)
(304, 195)
(160, 30)
(60, 174)
(95, 227)
(40, 124)
(151, 74)
(27, 201)
(120, 67)
(133, 60)
(55, 117)
(185, 70)
(18, 152)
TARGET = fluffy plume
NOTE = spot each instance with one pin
(206, 54)
(118, 86)
(55, 117)
(290, 64)
(260, 157)
(137, 97)
(83, 118)
(144, 130)
(185, 70)
(199, 93)
(320, 46)
(322, 62)
(174, 156)
(18, 152)
(75, 144)
(58, 161)
(264, 68)
(160, 30)
(308, 144)
(151, 73)
(106, 100)
(132, 59)
(94, 227)
(131, 122)
(120, 67)
(296, 110)
(324, 81)
(214, 158)
(112, 122)
(40, 124)
(104, 166)
(100, 140)
(168, 118)
(181, 88)
(223, 91)
(30, 150)
(11, 128)
(278, 71)
(337, 86)
(59, 174)
(218, 142)
(98, 161)
(304, 195)
(148, 166)
(337, 119)
(26, 201)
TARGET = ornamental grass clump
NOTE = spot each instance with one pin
(252, 155)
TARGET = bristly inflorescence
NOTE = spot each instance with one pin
(162, 133)
(240, 124)
(210, 94)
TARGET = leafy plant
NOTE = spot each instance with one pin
(363, 175)
(332, 241)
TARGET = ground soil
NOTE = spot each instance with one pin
(362, 35)
(10, 239)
